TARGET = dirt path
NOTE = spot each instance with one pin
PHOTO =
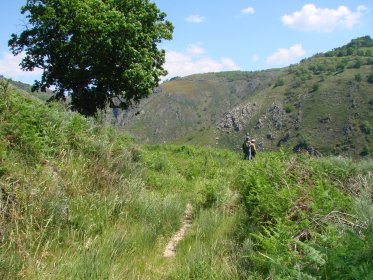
(170, 250)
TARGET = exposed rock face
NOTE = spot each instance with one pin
(236, 118)
(284, 139)
(348, 128)
(259, 124)
(308, 149)
(275, 114)
(272, 118)
(270, 136)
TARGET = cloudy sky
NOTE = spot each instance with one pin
(222, 35)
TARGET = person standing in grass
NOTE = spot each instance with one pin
(252, 148)
(246, 147)
(249, 148)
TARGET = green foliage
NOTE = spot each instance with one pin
(366, 127)
(4, 98)
(94, 50)
(279, 82)
(301, 219)
(79, 200)
(358, 77)
(320, 103)
(370, 78)
(341, 66)
(289, 108)
(315, 87)
(365, 151)
(356, 46)
(371, 103)
(303, 142)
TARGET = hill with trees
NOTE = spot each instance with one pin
(323, 105)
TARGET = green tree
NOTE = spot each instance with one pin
(97, 51)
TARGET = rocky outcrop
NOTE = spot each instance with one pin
(272, 118)
(306, 149)
(284, 139)
(236, 119)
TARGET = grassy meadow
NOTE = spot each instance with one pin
(80, 200)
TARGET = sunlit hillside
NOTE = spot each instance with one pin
(80, 200)
(324, 104)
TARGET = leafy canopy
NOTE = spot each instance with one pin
(97, 51)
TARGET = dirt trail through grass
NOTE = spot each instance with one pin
(170, 250)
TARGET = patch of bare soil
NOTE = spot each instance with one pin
(170, 250)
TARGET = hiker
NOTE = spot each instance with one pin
(252, 148)
(246, 148)
(249, 148)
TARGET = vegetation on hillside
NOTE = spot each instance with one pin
(79, 200)
(45, 96)
(323, 99)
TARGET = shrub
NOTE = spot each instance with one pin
(341, 67)
(370, 78)
(365, 151)
(315, 87)
(303, 142)
(357, 64)
(279, 82)
(289, 108)
(365, 127)
(358, 77)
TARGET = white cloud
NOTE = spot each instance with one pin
(248, 10)
(9, 67)
(362, 8)
(196, 49)
(184, 64)
(285, 56)
(311, 18)
(195, 18)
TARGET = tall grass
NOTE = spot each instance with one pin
(79, 200)
(305, 220)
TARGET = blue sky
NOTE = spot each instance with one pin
(222, 35)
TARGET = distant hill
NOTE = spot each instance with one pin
(27, 88)
(323, 105)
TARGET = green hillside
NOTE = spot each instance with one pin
(323, 105)
(188, 106)
(26, 88)
(79, 200)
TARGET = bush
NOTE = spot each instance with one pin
(289, 108)
(315, 87)
(370, 78)
(279, 82)
(365, 127)
(365, 151)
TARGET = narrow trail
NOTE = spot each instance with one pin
(170, 250)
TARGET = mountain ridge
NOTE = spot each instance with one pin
(322, 103)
